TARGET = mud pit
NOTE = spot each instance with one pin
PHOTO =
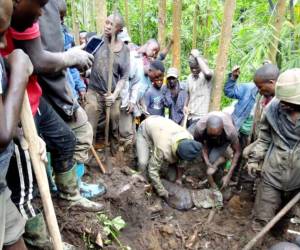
(152, 224)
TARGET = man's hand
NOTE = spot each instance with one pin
(22, 60)
(82, 96)
(252, 168)
(225, 181)
(195, 53)
(186, 110)
(235, 73)
(211, 169)
(42, 147)
(130, 108)
(79, 58)
(110, 99)
(43, 150)
(164, 194)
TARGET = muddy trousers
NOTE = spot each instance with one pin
(21, 181)
(96, 109)
(126, 127)
(58, 136)
(269, 201)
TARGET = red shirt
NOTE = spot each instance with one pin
(33, 88)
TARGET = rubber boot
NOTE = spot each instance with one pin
(36, 234)
(68, 189)
(88, 190)
(49, 170)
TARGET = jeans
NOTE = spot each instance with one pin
(58, 136)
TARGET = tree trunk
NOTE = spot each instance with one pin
(222, 56)
(101, 15)
(75, 24)
(277, 24)
(142, 22)
(127, 16)
(162, 6)
(195, 27)
(208, 25)
(177, 8)
(292, 18)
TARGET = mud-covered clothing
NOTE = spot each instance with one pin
(100, 69)
(160, 136)
(261, 104)
(269, 201)
(245, 94)
(154, 101)
(279, 146)
(199, 91)
(95, 109)
(176, 104)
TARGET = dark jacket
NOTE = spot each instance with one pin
(281, 167)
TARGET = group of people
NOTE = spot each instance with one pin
(69, 95)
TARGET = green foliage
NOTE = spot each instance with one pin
(251, 38)
(112, 228)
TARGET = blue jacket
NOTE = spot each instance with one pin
(246, 96)
(73, 74)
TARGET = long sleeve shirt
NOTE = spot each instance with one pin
(246, 96)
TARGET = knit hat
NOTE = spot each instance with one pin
(288, 86)
(188, 149)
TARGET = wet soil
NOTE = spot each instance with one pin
(151, 223)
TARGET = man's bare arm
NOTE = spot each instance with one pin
(45, 62)
(10, 106)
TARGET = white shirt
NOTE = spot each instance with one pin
(199, 92)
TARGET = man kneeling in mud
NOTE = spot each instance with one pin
(167, 142)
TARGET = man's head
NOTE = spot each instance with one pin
(194, 66)
(188, 149)
(62, 7)
(156, 73)
(287, 90)
(114, 23)
(82, 37)
(265, 79)
(124, 36)
(6, 9)
(26, 13)
(172, 78)
(152, 48)
(214, 126)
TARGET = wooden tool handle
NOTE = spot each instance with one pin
(39, 168)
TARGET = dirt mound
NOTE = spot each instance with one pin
(150, 222)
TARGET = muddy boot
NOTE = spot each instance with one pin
(37, 237)
(36, 234)
(68, 189)
(88, 190)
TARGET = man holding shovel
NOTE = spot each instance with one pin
(98, 96)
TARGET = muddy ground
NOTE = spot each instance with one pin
(152, 224)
